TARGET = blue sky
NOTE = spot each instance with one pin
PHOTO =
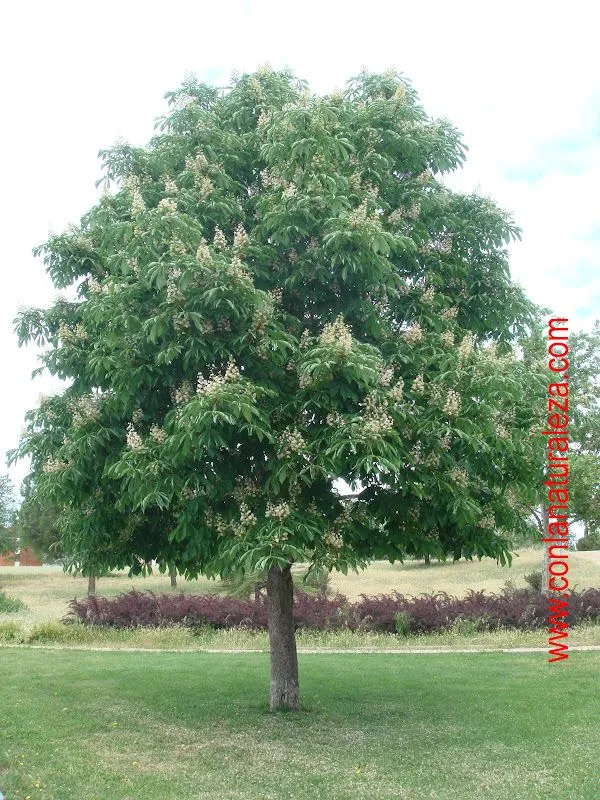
(519, 80)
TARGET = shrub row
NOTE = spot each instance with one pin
(522, 609)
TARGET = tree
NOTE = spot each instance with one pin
(36, 526)
(281, 294)
(584, 466)
(8, 541)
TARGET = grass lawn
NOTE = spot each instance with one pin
(162, 726)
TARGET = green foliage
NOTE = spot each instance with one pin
(534, 580)
(279, 293)
(10, 605)
(402, 623)
(589, 542)
(8, 542)
(36, 525)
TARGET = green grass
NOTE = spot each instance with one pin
(178, 637)
(10, 605)
(166, 726)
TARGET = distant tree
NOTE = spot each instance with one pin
(281, 294)
(36, 525)
(8, 540)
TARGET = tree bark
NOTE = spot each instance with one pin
(91, 584)
(427, 560)
(546, 561)
(285, 691)
(173, 576)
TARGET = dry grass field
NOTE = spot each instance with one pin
(47, 590)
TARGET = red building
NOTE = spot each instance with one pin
(25, 557)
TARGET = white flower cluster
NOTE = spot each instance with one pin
(137, 203)
(428, 295)
(157, 434)
(452, 404)
(183, 394)
(53, 465)
(94, 287)
(305, 339)
(501, 431)
(240, 238)
(167, 205)
(312, 244)
(83, 242)
(290, 441)
(465, 348)
(203, 252)
(134, 440)
(196, 164)
(431, 460)
(272, 180)
(84, 410)
(459, 476)
(137, 416)
(174, 295)
(385, 376)
(170, 185)
(292, 256)
(333, 540)
(219, 240)
(289, 191)
(208, 386)
(447, 338)
(244, 488)
(338, 335)
(396, 390)
(276, 296)
(354, 182)
(247, 517)
(67, 334)
(418, 385)
(263, 118)
(449, 313)
(358, 216)
(278, 511)
(237, 269)
(334, 419)
(376, 420)
(487, 522)
(181, 321)
(446, 441)
(414, 333)
(417, 453)
(177, 247)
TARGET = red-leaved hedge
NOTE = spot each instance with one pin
(523, 609)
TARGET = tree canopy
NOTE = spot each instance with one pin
(279, 294)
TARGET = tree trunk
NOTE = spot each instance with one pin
(546, 561)
(285, 691)
(427, 560)
(173, 576)
(91, 584)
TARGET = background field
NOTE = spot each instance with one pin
(177, 726)
(47, 590)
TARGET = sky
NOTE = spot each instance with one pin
(520, 80)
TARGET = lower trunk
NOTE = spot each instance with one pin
(427, 560)
(91, 584)
(173, 576)
(285, 691)
(546, 560)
